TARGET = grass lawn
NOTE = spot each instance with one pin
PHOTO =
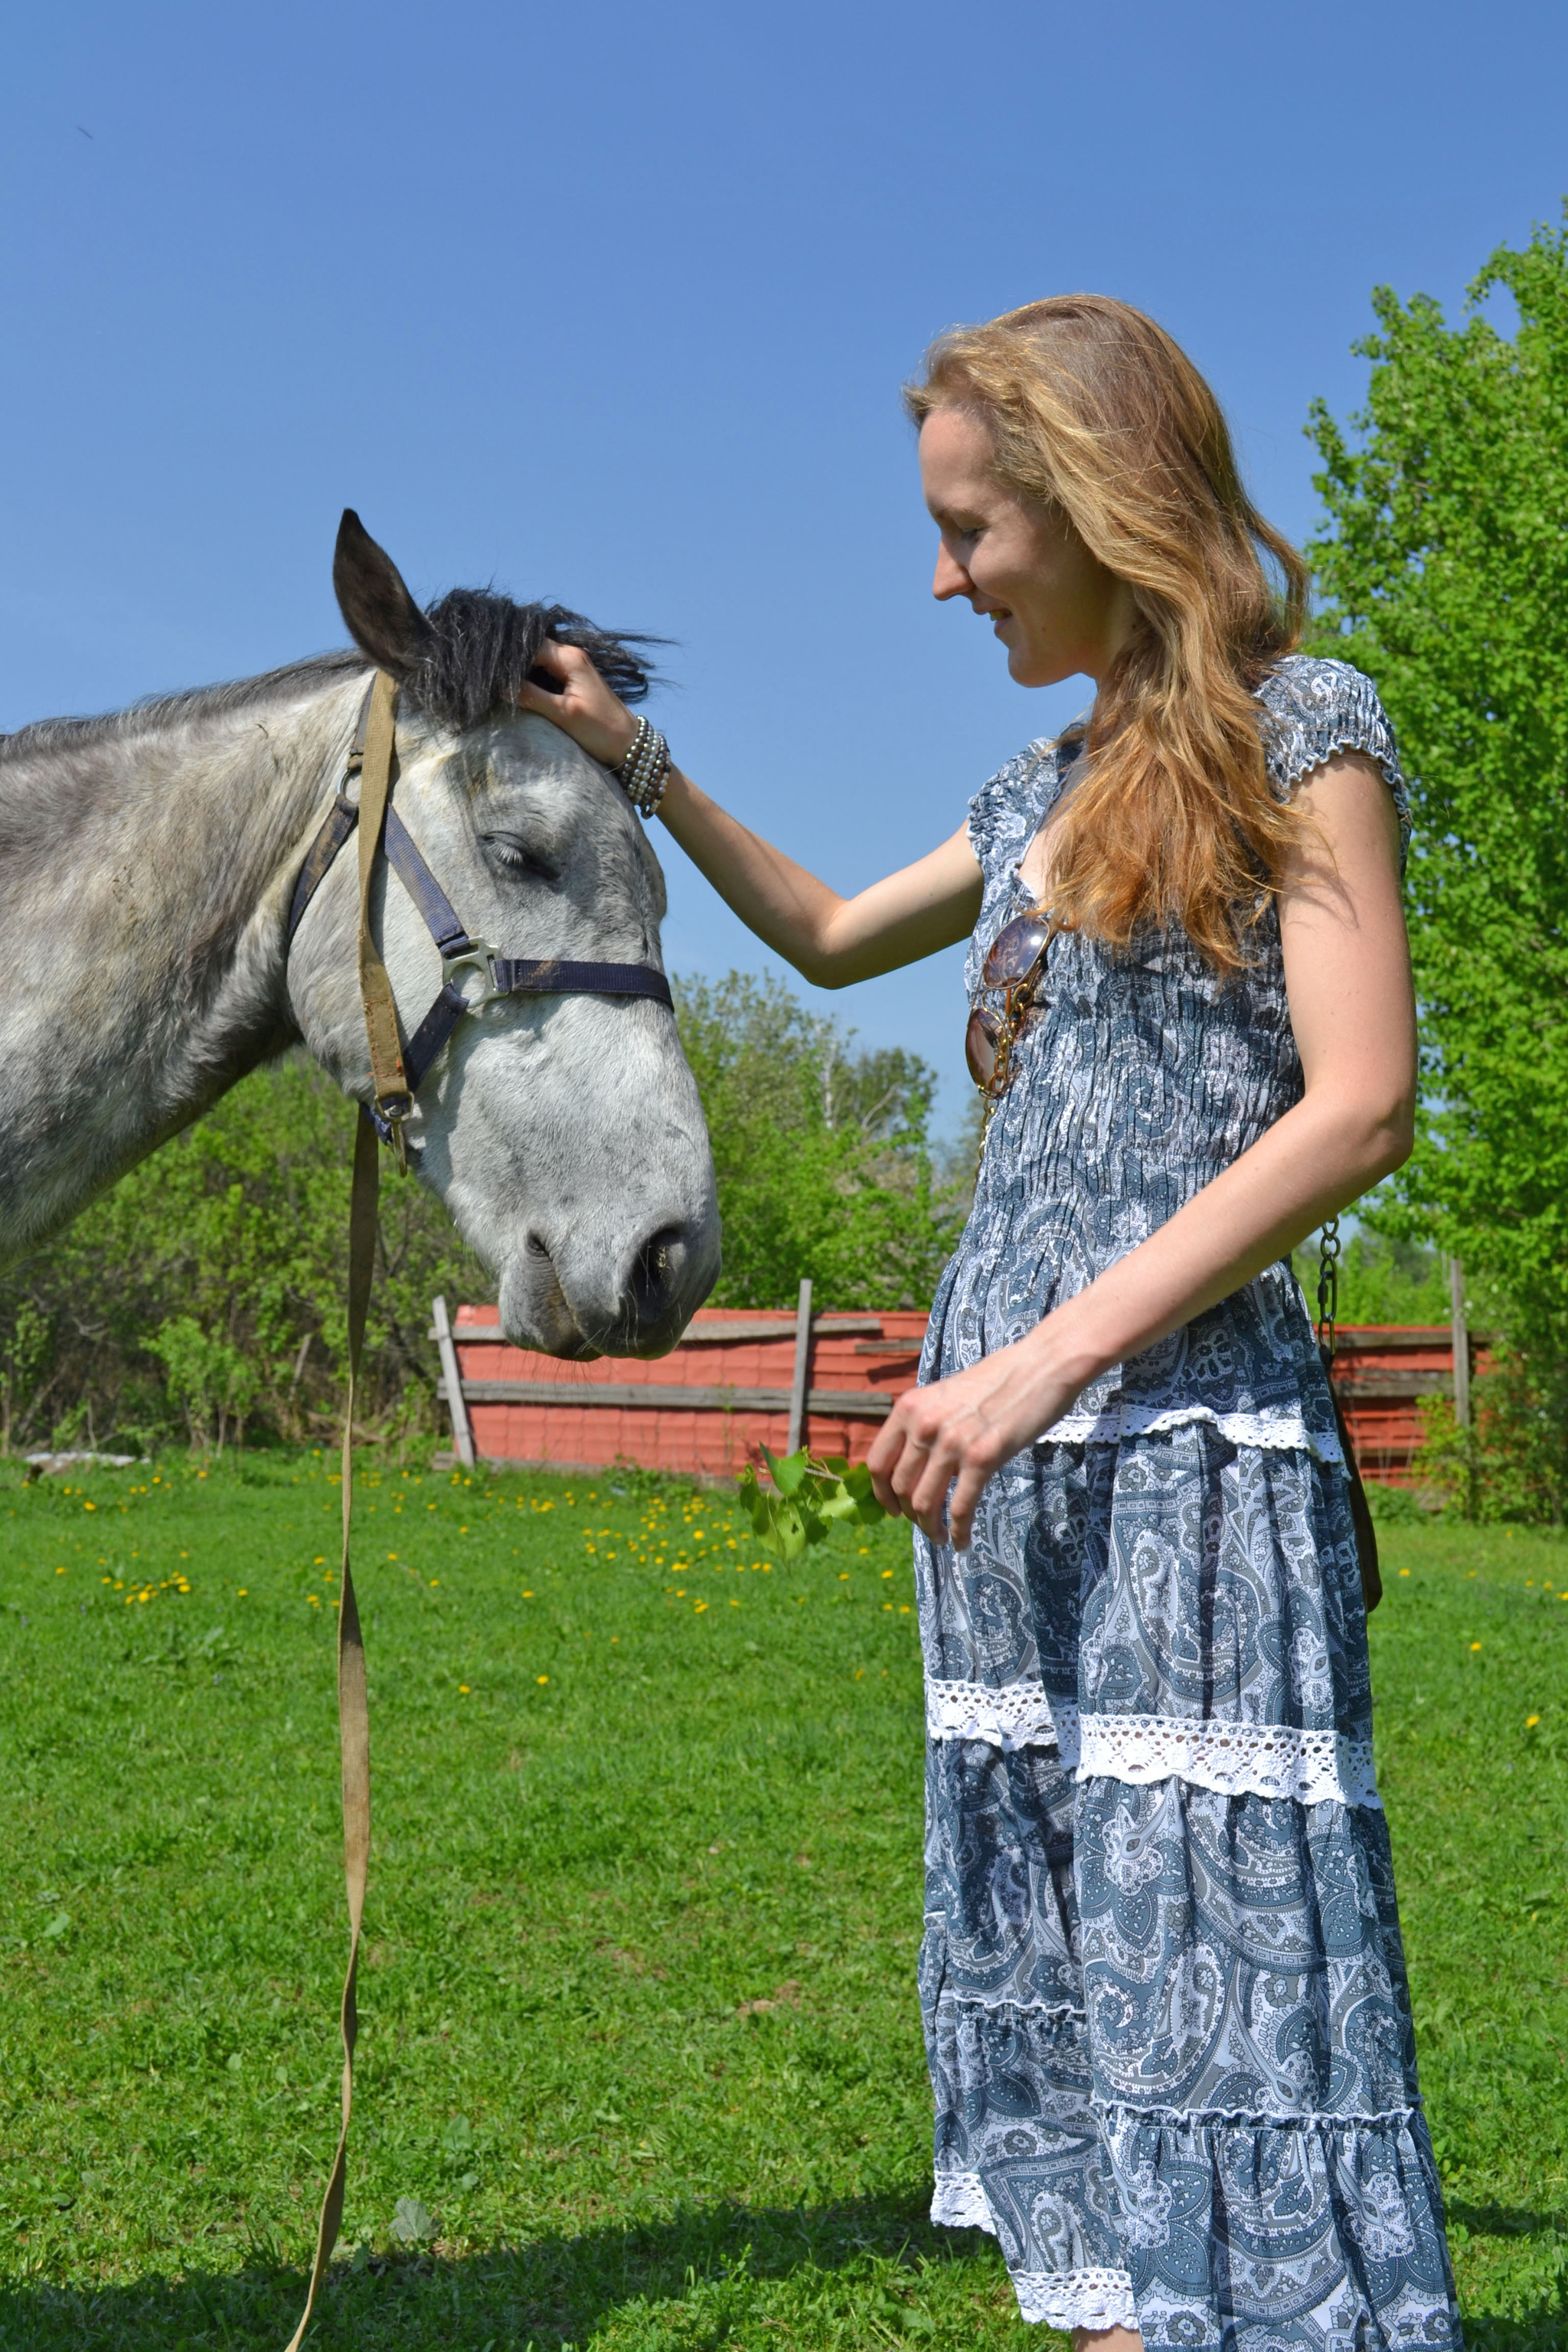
(639, 2034)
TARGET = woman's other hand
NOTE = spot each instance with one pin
(956, 1433)
(588, 710)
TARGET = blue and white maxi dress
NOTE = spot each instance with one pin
(1164, 1999)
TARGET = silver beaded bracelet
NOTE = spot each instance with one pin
(644, 773)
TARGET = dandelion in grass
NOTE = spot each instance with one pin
(541, 1678)
(462, 1690)
(1475, 1645)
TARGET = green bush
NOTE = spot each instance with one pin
(1512, 1463)
(205, 1290)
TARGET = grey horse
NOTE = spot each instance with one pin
(147, 861)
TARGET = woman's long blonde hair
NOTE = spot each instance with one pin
(1092, 408)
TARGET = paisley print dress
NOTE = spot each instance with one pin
(1164, 1999)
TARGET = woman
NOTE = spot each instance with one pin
(1165, 2003)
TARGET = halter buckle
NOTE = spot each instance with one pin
(476, 963)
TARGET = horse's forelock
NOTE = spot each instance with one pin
(483, 646)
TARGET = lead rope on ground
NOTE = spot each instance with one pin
(353, 1712)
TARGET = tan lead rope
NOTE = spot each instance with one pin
(353, 1713)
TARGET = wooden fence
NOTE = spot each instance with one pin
(740, 1380)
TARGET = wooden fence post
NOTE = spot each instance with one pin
(462, 1435)
(801, 1371)
(1461, 1333)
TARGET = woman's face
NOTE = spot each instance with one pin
(1023, 568)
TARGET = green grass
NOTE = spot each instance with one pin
(639, 2028)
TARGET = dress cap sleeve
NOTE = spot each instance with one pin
(1007, 808)
(1318, 708)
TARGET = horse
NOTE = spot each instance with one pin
(149, 865)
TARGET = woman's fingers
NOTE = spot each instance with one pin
(587, 709)
(935, 1452)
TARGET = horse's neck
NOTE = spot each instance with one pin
(142, 881)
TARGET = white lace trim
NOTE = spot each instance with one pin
(1068, 2299)
(1018, 1715)
(1261, 1759)
(1087, 2298)
(959, 2203)
(1278, 1431)
(1258, 1759)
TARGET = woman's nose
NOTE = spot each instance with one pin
(951, 579)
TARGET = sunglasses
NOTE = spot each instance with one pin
(1015, 965)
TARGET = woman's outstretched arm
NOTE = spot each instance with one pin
(830, 941)
(1347, 974)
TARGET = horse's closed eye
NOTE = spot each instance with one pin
(517, 858)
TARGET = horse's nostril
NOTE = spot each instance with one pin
(653, 1264)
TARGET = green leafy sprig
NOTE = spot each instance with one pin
(807, 1498)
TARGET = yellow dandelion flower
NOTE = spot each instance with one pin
(89, 1506)
(542, 1678)
(59, 1571)
(886, 1573)
(462, 1690)
(243, 1591)
(1475, 1645)
(1404, 1571)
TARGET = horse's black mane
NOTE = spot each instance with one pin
(480, 648)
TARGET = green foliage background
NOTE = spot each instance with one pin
(205, 1291)
(1443, 561)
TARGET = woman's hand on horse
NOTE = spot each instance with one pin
(957, 1434)
(587, 709)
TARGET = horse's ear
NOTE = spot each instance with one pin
(384, 620)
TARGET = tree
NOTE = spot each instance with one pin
(820, 1152)
(207, 1286)
(1443, 556)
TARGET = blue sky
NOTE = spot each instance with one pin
(612, 304)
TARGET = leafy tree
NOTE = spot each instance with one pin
(1444, 558)
(208, 1284)
(821, 1153)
